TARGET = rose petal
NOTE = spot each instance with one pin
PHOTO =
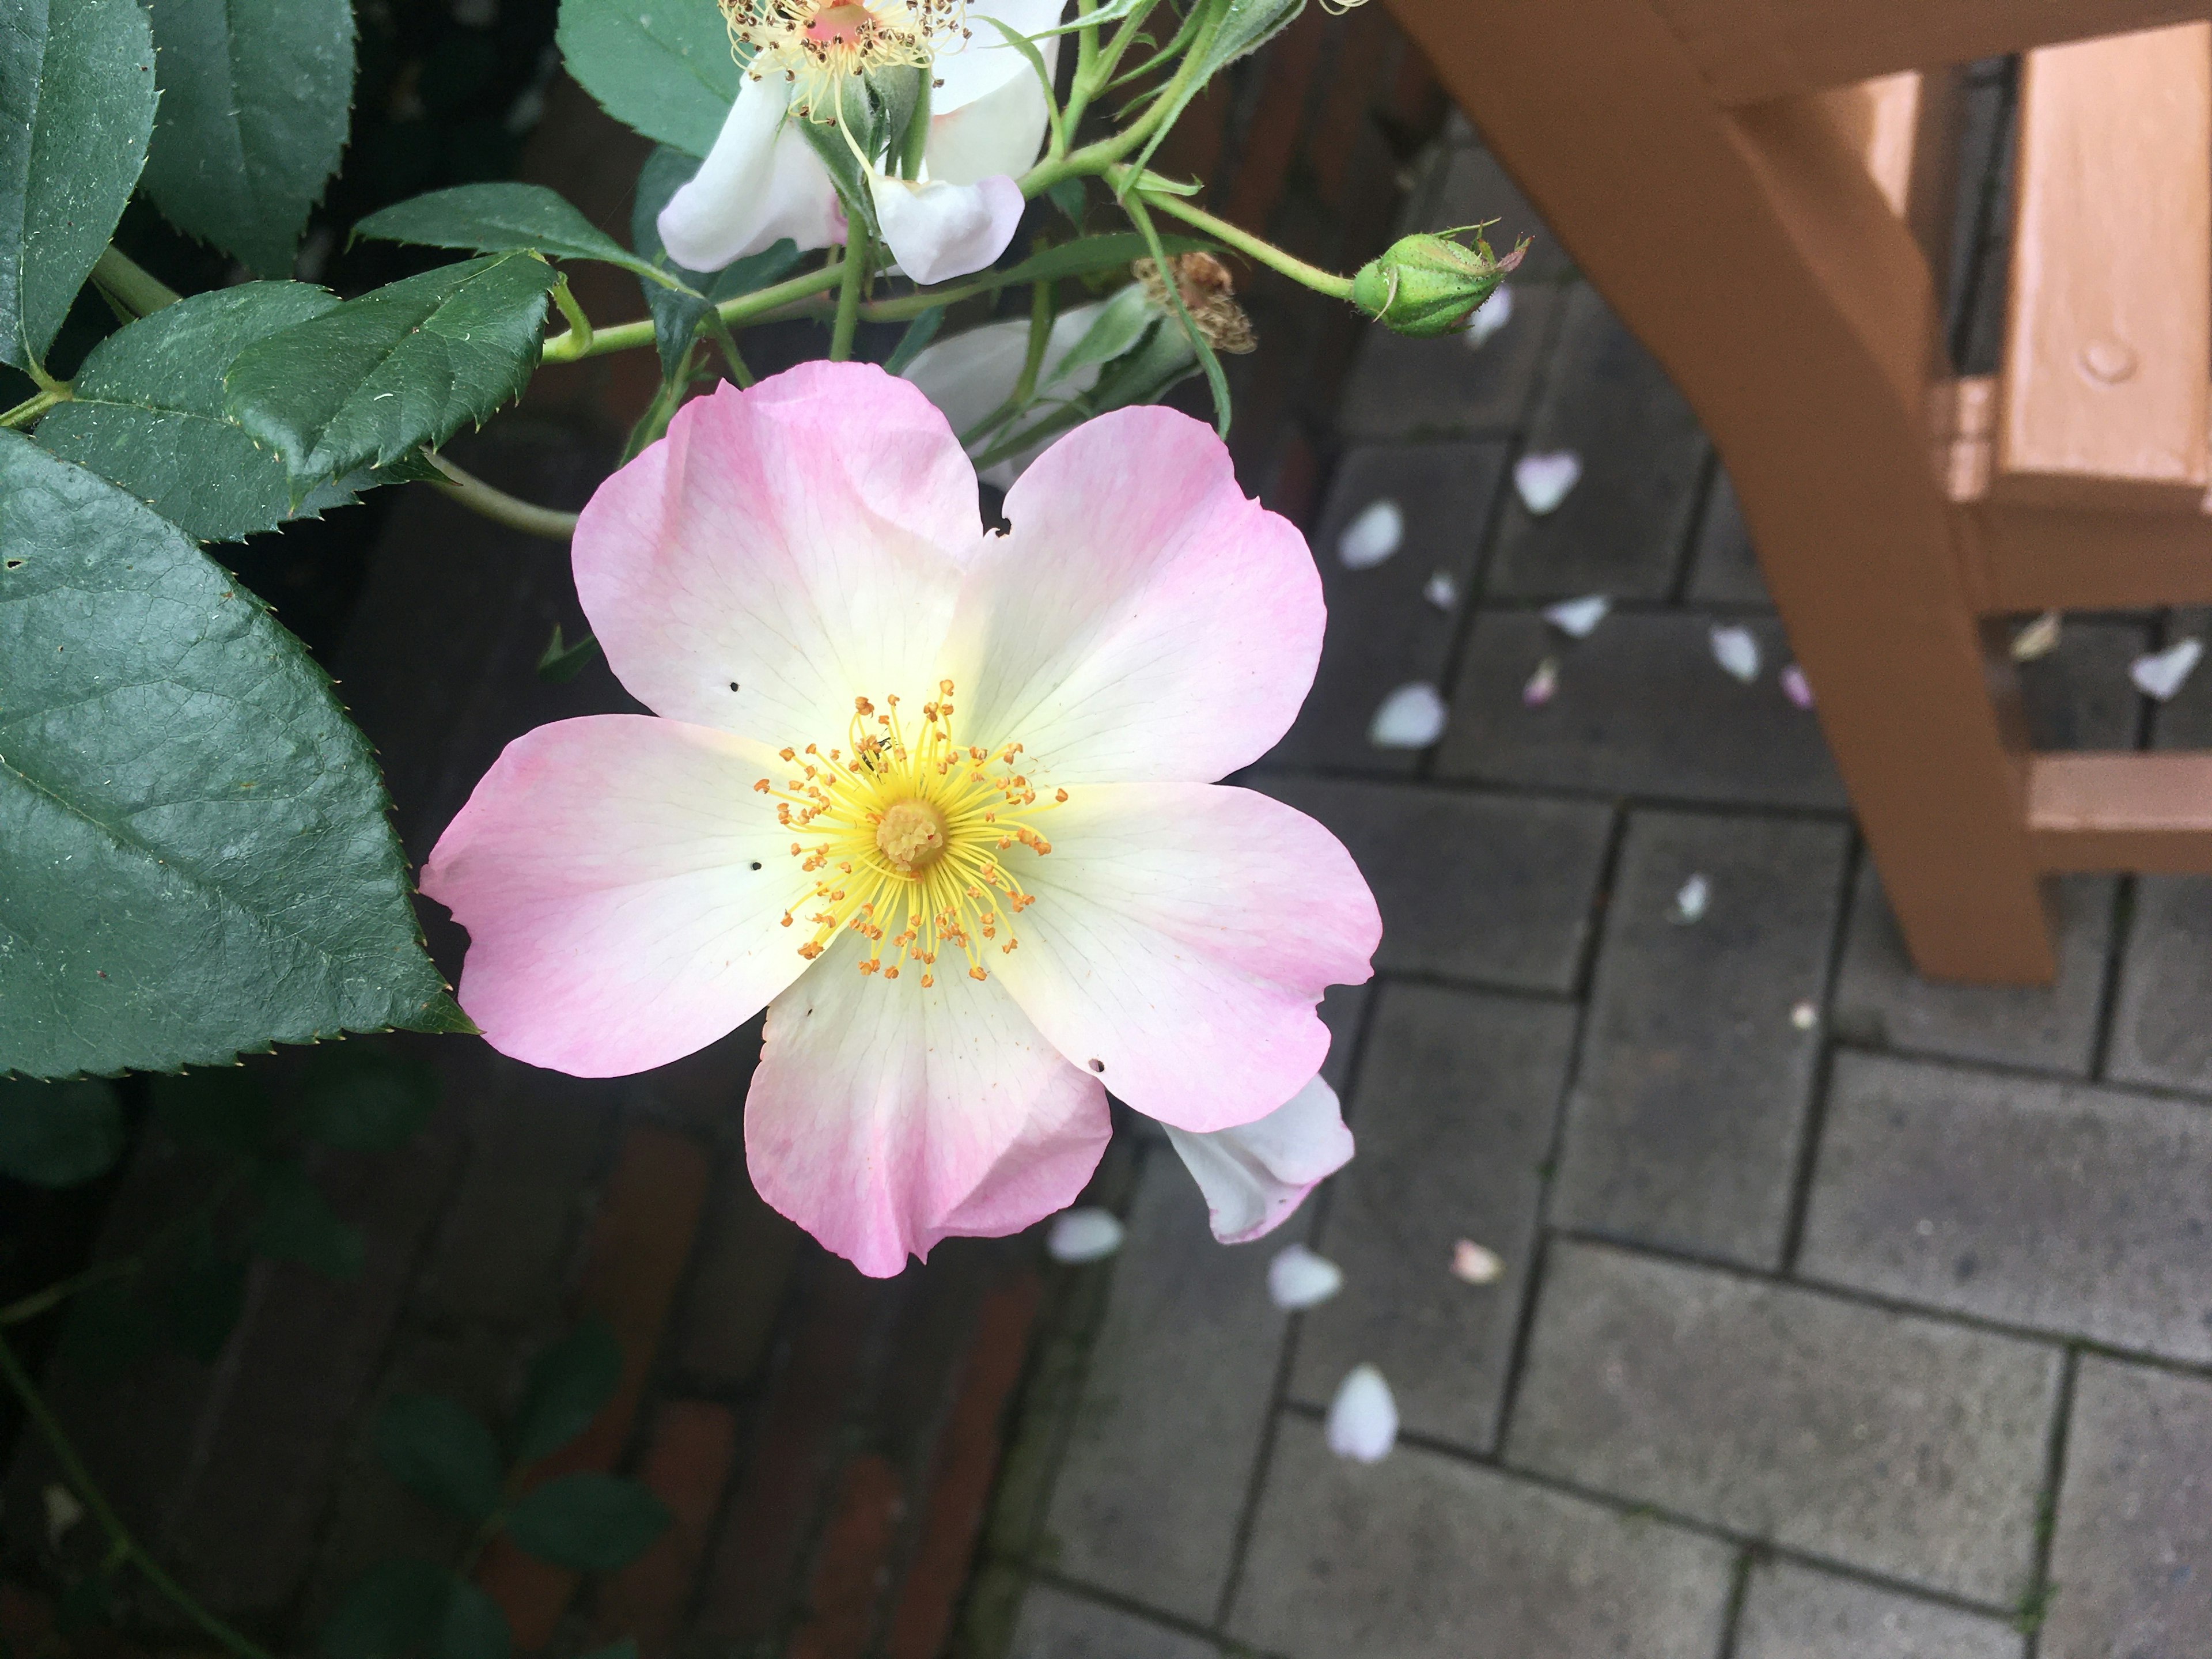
(1143, 619)
(2038, 638)
(1578, 618)
(1298, 1278)
(1084, 1235)
(1181, 934)
(938, 230)
(782, 551)
(1543, 481)
(1491, 315)
(1543, 685)
(1797, 687)
(1737, 650)
(1256, 1175)
(1442, 591)
(1804, 1016)
(1411, 717)
(1372, 537)
(1691, 902)
(972, 374)
(1363, 1418)
(885, 1116)
(623, 893)
(2162, 673)
(1001, 129)
(1473, 1265)
(760, 183)
(984, 62)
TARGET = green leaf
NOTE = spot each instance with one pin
(503, 219)
(1113, 332)
(226, 1109)
(406, 364)
(918, 333)
(109, 1331)
(661, 66)
(592, 1523)
(76, 106)
(255, 97)
(676, 312)
(55, 1134)
(432, 1446)
(1067, 195)
(1089, 255)
(473, 1626)
(365, 1099)
(194, 855)
(146, 413)
(298, 1225)
(561, 662)
(391, 1610)
(570, 1382)
(203, 1296)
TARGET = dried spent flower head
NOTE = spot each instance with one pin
(1209, 293)
(1433, 283)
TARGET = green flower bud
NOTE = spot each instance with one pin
(1431, 284)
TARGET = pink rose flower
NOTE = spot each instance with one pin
(940, 799)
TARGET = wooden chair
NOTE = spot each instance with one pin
(1759, 187)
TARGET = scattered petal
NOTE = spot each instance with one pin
(1362, 1419)
(63, 1511)
(1490, 316)
(1298, 1279)
(1084, 1235)
(1691, 902)
(1442, 591)
(2161, 674)
(1545, 480)
(1737, 651)
(2038, 638)
(1541, 683)
(1577, 619)
(1805, 1016)
(1372, 537)
(1411, 717)
(1255, 1174)
(1797, 687)
(1475, 1265)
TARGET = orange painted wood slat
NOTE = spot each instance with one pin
(2106, 389)
(2122, 811)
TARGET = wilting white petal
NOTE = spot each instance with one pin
(1363, 1418)
(2161, 673)
(1797, 687)
(1577, 619)
(1255, 1174)
(1475, 1265)
(1543, 684)
(1735, 650)
(972, 374)
(761, 182)
(1545, 480)
(1690, 902)
(1373, 537)
(1442, 591)
(1411, 717)
(983, 62)
(1084, 1235)
(999, 132)
(2038, 638)
(938, 231)
(1491, 315)
(1298, 1278)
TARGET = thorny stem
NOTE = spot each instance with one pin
(495, 504)
(1032, 366)
(741, 371)
(746, 308)
(123, 1545)
(573, 311)
(1312, 277)
(854, 278)
(134, 286)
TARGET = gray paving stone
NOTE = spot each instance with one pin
(2080, 696)
(1624, 528)
(1453, 1111)
(1055, 1624)
(1381, 631)
(1725, 569)
(1404, 388)
(1161, 1453)
(2069, 1208)
(1882, 1002)
(1423, 1557)
(2132, 1555)
(1496, 889)
(2163, 1023)
(1686, 1122)
(1641, 710)
(1791, 1612)
(1904, 1446)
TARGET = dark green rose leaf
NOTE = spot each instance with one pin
(55, 1134)
(202, 1296)
(298, 1225)
(366, 1099)
(568, 1384)
(194, 854)
(661, 66)
(433, 1447)
(109, 1331)
(503, 219)
(473, 1627)
(391, 1610)
(592, 1523)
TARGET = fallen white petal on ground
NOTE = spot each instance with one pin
(1411, 717)
(1735, 650)
(1084, 1235)
(1541, 683)
(1797, 687)
(1577, 619)
(63, 1511)
(1363, 1418)
(1475, 1265)
(2038, 638)
(1804, 1016)
(1691, 902)
(2162, 673)
(1442, 591)
(1298, 1279)
(1373, 537)
(1544, 480)
(1491, 315)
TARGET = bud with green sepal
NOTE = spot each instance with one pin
(1432, 283)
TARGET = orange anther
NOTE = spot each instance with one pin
(787, 754)
(978, 973)
(761, 787)
(810, 949)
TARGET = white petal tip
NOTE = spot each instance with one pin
(1474, 1264)
(1804, 1016)
(1362, 1419)
(1736, 651)
(1543, 481)
(2038, 638)
(1796, 687)
(1442, 591)
(1298, 1278)
(1490, 316)
(1373, 537)
(1084, 1235)
(1692, 902)
(1411, 717)
(1543, 684)
(1578, 618)
(2162, 673)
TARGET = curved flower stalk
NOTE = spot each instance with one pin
(940, 799)
(764, 181)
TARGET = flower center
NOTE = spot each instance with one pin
(817, 46)
(900, 840)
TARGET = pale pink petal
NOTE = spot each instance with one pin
(938, 231)
(1254, 1176)
(782, 551)
(761, 182)
(622, 892)
(1181, 937)
(885, 1116)
(1001, 131)
(1143, 619)
(984, 62)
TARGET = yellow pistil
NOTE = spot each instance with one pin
(900, 841)
(816, 45)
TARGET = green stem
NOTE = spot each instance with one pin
(574, 312)
(741, 371)
(1312, 277)
(37, 404)
(652, 425)
(477, 496)
(139, 289)
(121, 1546)
(54, 1294)
(744, 309)
(848, 294)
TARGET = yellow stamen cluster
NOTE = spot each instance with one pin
(816, 45)
(899, 840)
